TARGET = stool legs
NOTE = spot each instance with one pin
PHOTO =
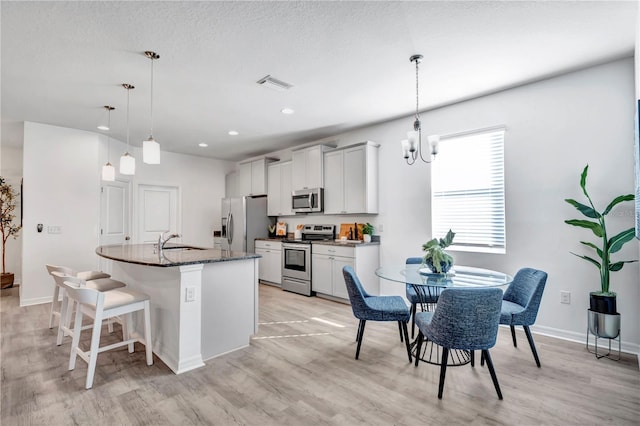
(55, 306)
(148, 344)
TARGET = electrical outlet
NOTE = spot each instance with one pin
(190, 294)
(565, 297)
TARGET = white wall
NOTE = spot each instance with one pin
(554, 127)
(62, 188)
(11, 170)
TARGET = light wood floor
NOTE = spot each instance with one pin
(300, 370)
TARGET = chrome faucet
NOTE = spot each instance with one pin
(162, 241)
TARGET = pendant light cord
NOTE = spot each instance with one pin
(128, 89)
(417, 90)
(151, 108)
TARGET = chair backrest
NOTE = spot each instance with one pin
(526, 291)
(466, 318)
(62, 269)
(357, 293)
(413, 260)
(76, 290)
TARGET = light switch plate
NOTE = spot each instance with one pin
(190, 295)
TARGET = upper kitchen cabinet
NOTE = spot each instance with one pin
(307, 167)
(351, 179)
(253, 177)
(279, 189)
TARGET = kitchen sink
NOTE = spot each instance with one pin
(181, 248)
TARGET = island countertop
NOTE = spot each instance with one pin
(173, 254)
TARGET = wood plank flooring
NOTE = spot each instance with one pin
(300, 370)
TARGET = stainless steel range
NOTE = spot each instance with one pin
(296, 258)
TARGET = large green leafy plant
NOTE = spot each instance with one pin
(607, 246)
(436, 258)
(7, 207)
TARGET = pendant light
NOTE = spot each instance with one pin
(108, 171)
(151, 148)
(412, 146)
(127, 162)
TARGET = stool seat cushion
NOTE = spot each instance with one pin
(122, 296)
(92, 275)
(104, 284)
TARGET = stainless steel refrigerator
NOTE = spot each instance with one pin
(243, 220)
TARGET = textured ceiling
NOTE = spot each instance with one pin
(348, 63)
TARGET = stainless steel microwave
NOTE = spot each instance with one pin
(307, 200)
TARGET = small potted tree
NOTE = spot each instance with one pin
(7, 228)
(603, 301)
(438, 260)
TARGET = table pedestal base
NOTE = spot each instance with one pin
(431, 353)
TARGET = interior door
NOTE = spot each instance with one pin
(115, 213)
(158, 212)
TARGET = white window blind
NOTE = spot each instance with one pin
(468, 191)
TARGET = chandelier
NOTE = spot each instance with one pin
(412, 146)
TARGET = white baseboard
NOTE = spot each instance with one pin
(627, 347)
(35, 301)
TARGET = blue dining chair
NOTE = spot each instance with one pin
(464, 319)
(429, 296)
(521, 302)
(375, 308)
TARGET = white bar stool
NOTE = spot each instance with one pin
(85, 275)
(103, 305)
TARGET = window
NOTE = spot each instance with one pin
(468, 191)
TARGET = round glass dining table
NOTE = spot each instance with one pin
(427, 287)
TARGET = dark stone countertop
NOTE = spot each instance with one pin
(174, 254)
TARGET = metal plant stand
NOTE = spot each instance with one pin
(604, 326)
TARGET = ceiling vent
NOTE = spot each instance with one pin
(274, 83)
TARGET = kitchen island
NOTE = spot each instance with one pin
(204, 302)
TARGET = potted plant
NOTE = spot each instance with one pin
(7, 228)
(438, 260)
(367, 232)
(603, 301)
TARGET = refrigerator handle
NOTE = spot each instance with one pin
(230, 230)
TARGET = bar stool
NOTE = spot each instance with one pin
(103, 305)
(66, 310)
(102, 285)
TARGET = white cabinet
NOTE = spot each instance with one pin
(252, 178)
(271, 261)
(279, 189)
(328, 260)
(307, 169)
(231, 185)
(351, 179)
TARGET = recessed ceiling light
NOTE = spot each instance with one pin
(287, 111)
(203, 145)
(233, 133)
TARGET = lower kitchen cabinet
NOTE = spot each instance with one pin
(328, 260)
(270, 262)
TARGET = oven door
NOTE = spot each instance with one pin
(296, 261)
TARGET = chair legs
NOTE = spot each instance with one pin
(443, 370)
(532, 344)
(413, 320)
(359, 337)
(513, 336)
(406, 338)
(419, 346)
(527, 331)
(487, 357)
